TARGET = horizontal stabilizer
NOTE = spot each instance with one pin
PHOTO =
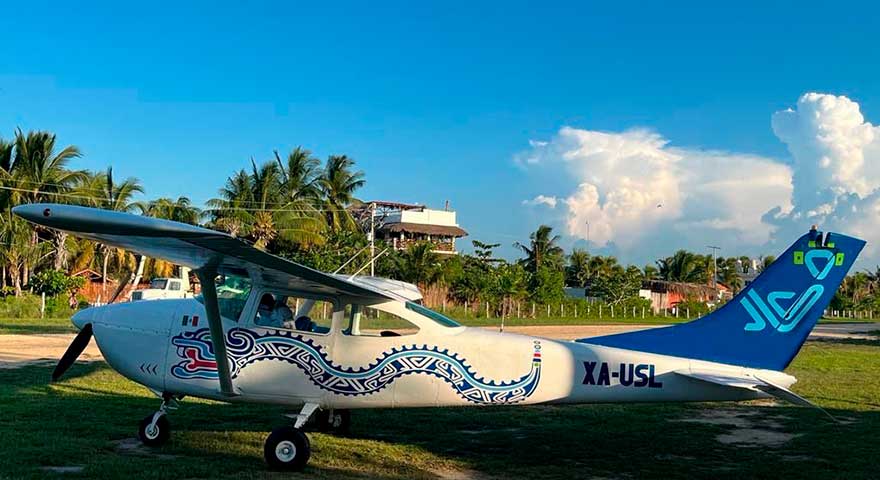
(750, 382)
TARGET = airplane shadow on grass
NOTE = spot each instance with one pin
(90, 417)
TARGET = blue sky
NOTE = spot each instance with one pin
(435, 100)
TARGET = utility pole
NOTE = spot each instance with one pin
(714, 266)
(372, 239)
(588, 231)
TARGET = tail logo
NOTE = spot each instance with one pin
(767, 310)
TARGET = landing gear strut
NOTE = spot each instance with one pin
(288, 448)
(154, 430)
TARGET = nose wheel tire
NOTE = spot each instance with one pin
(287, 448)
(154, 434)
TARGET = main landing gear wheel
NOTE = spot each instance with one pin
(333, 421)
(154, 432)
(287, 448)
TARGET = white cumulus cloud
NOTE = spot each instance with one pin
(836, 158)
(643, 196)
(632, 187)
(541, 200)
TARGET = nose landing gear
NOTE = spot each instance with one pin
(155, 429)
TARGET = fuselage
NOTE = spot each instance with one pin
(165, 346)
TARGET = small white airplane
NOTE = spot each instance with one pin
(270, 354)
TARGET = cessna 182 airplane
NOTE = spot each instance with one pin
(245, 339)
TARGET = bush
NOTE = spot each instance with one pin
(28, 306)
(55, 282)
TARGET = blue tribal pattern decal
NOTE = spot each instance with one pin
(246, 347)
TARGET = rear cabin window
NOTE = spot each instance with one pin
(436, 317)
(370, 322)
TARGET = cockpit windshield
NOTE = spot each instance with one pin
(232, 294)
(436, 317)
(159, 284)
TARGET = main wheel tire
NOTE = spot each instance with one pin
(287, 448)
(333, 421)
(154, 435)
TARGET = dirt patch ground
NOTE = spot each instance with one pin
(21, 350)
(747, 428)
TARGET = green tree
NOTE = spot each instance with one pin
(299, 175)
(38, 172)
(684, 266)
(119, 197)
(255, 206)
(618, 286)
(542, 250)
(510, 282)
(577, 273)
(547, 285)
(55, 282)
(338, 182)
(419, 265)
(180, 210)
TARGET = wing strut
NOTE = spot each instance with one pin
(218, 336)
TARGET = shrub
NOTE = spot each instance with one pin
(55, 282)
(28, 306)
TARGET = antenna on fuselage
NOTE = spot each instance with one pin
(371, 262)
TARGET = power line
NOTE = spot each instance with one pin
(231, 207)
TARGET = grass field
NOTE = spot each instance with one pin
(88, 422)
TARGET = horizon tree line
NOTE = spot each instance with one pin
(302, 208)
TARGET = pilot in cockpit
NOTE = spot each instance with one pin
(273, 312)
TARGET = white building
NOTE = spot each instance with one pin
(402, 225)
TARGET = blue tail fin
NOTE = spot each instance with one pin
(765, 325)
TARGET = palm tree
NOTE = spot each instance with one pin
(542, 249)
(299, 175)
(578, 270)
(227, 212)
(5, 174)
(419, 265)
(337, 184)
(253, 205)
(683, 266)
(119, 198)
(728, 273)
(180, 210)
(39, 170)
(40, 174)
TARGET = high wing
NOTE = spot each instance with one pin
(206, 252)
(196, 248)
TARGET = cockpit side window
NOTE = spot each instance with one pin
(276, 309)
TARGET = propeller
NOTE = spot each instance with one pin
(76, 347)
(123, 282)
